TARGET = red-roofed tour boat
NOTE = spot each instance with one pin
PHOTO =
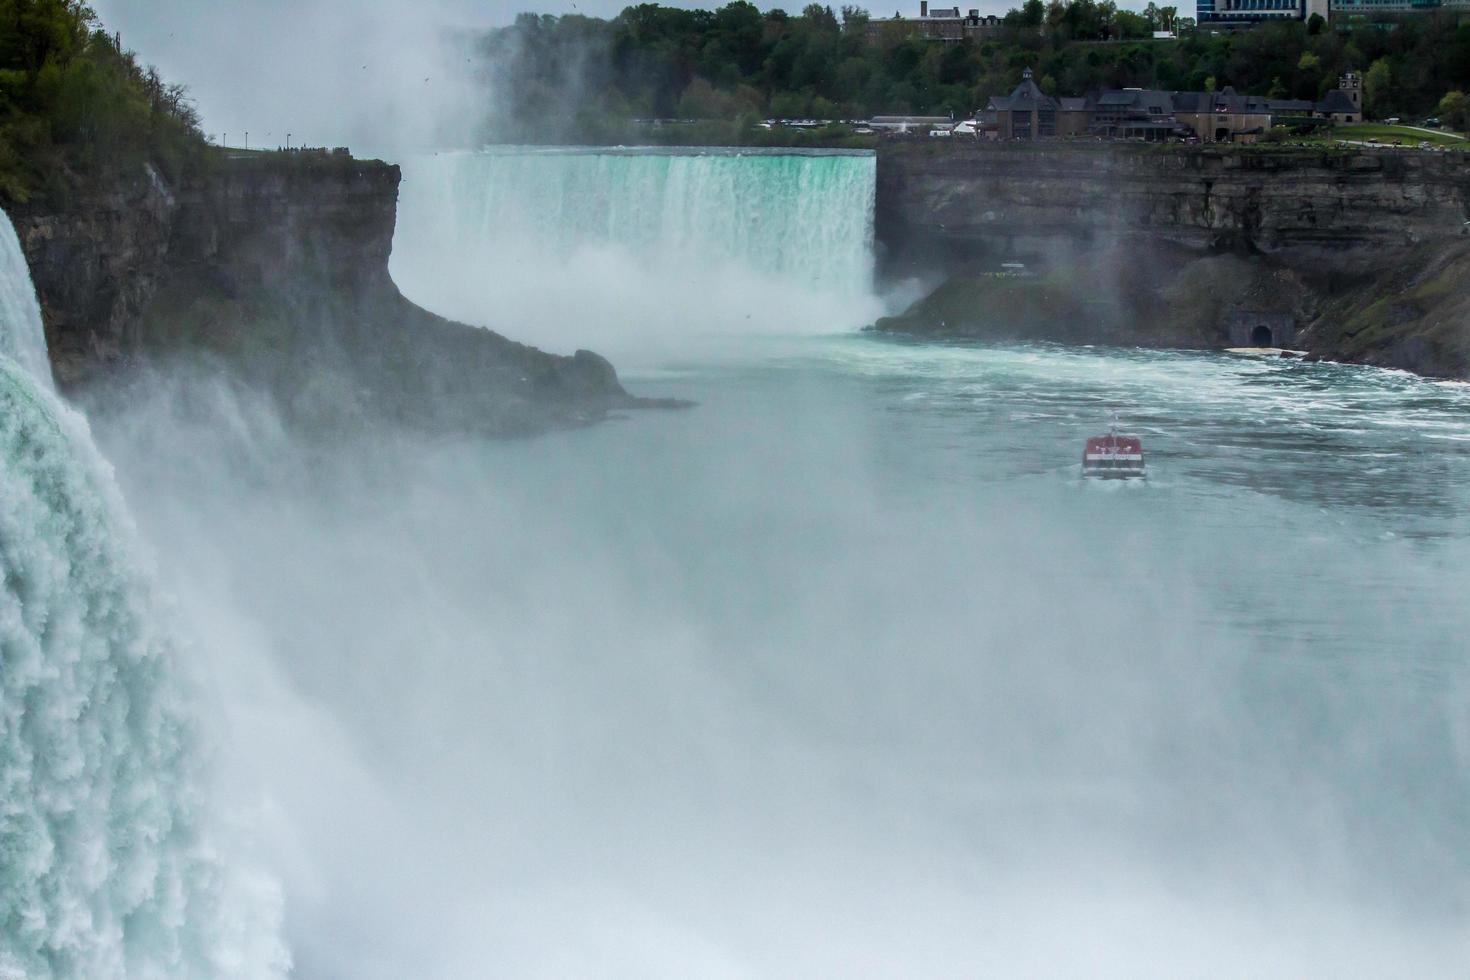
(1113, 457)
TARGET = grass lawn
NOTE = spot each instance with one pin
(1409, 135)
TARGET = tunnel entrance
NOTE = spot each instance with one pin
(1261, 337)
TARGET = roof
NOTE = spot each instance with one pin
(1228, 100)
(1073, 105)
(1291, 105)
(1147, 101)
(1028, 96)
(1337, 101)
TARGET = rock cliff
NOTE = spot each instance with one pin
(275, 268)
(1352, 253)
(978, 200)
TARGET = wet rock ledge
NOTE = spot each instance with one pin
(273, 269)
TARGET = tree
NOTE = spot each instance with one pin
(1376, 85)
(1315, 24)
(1454, 110)
(554, 70)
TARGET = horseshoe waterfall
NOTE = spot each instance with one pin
(665, 244)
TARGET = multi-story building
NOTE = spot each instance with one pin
(1351, 8)
(1245, 13)
(939, 23)
(1226, 116)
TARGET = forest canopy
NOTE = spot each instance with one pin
(576, 77)
(76, 107)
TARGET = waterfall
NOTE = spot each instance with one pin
(610, 248)
(22, 338)
(107, 867)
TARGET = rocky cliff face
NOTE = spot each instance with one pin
(96, 264)
(1356, 252)
(968, 201)
(275, 269)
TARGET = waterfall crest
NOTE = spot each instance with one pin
(607, 248)
(108, 870)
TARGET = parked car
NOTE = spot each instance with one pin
(1392, 120)
(1432, 122)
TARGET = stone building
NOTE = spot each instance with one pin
(1225, 116)
(1029, 113)
(938, 23)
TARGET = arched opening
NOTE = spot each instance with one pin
(1261, 337)
(1222, 135)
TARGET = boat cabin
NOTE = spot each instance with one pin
(1113, 457)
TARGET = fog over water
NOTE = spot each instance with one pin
(845, 671)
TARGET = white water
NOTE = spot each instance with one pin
(109, 865)
(844, 672)
(639, 254)
(22, 335)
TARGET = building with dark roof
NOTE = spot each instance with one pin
(938, 24)
(1029, 113)
(1225, 116)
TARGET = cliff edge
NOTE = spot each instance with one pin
(274, 268)
(1352, 254)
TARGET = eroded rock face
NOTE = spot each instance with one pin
(275, 268)
(970, 202)
(1365, 254)
(96, 264)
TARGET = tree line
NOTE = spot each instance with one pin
(76, 108)
(582, 78)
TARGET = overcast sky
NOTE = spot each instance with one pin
(372, 72)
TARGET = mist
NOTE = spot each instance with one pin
(679, 253)
(619, 702)
(386, 75)
(324, 72)
(843, 672)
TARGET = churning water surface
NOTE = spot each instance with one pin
(844, 672)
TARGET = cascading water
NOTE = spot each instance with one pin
(22, 336)
(659, 245)
(844, 672)
(106, 864)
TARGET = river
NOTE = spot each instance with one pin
(844, 671)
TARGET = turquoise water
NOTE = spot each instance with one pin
(847, 671)
(844, 672)
(635, 252)
(114, 861)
